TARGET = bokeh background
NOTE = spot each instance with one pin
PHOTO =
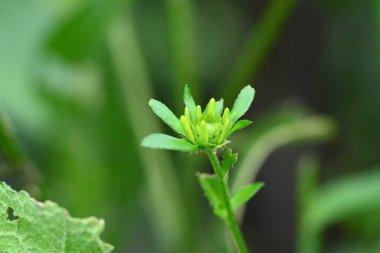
(76, 76)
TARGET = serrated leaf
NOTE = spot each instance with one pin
(229, 159)
(242, 103)
(245, 194)
(163, 141)
(219, 106)
(240, 125)
(210, 186)
(167, 116)
(189, 102)
(30, 226)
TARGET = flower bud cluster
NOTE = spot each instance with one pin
(208, 128)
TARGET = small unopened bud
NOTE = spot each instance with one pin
(223, 134)
(185, 123)
(226, 115)
(203, 133)
(199, 113)
(210, 109)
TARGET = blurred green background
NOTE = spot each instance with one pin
(76, 76)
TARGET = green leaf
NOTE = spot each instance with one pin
(240, 125)
(229, 159)
(343, 198)
(163, 141)
(219, 106)
(245, 194)
(30, 226)
(210, 186)
(189, 102)
(242, 103)
(167, 116)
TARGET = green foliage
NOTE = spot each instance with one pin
(163, 141)
(240, 125)
(166, 115)
(211, 188)
(207, 129)
(189, 101)
(229, 159)
(281, 129)
(340, 199)
(30, 226)
(245, 194)
(242, 103)
(259, 44)
(321, 206)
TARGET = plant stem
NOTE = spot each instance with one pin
(231, 219)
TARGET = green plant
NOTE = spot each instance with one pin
(30, 226)
(207, 131)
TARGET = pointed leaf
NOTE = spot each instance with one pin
(167, 116)
(245, 194)
(189, 102)
(240, 125)
(229, 159)
(242, 103)
(210, 186)
(163, 141)
(219, 106)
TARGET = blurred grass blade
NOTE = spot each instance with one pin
(8, 145)
(82, 33)
(163, 190)
(307, 180)
(259, 44)
(308, 240)
(335, 202)
(14, 165)
(377, 14)
(343, 198)
(182, 44)
(309, 129)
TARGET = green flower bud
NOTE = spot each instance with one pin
(202, 130)
(208, 129)
(210, 112)
(203, 134)
(199, 113)
(185, 123)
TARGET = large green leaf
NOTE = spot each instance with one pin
(210, 186)
(245, 194)
(189, 101)
(167, 116)
(30, 226)
(163, 141)
(242, 103)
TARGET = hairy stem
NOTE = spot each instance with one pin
(231, 219)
